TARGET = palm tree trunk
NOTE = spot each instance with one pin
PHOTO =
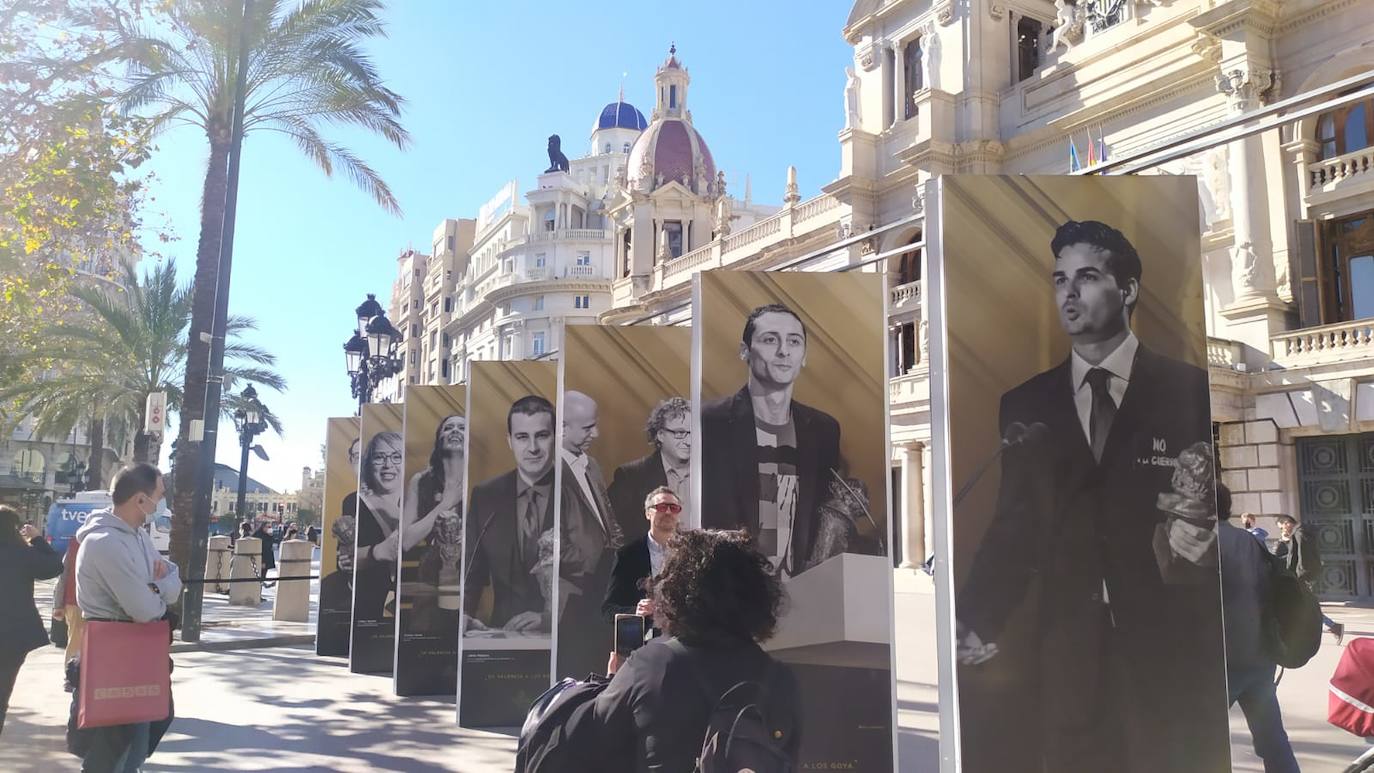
(198, 351)
(95, 465)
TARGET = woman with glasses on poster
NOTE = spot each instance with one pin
(433, 535)
(379, 519)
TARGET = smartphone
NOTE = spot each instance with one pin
(629, 633)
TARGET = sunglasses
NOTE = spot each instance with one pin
(666, 507)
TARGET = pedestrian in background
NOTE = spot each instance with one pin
(1304, 559)
(1245, 566)
(269, 558)
(24, 557)
(1248, 521)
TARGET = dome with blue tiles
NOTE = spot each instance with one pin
(621, 115)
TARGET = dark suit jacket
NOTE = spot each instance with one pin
(1070, 522)
(633, 482)
(493, 552)
(730, 478)
(21, 629)
(587, 544)
(631, 569)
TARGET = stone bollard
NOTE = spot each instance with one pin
(247, 558)
(293, 596)
(217, 565)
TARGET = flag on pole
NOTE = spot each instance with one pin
(1101, 147)
(1074, 166)
(1092, 149)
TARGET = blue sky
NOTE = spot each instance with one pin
(485, 84)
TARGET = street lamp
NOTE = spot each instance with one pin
(371, 351)
(75, 473)
(250, 421)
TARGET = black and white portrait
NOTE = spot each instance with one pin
(770, 463)
(1090, 602)
(510, 529)
(669, 432)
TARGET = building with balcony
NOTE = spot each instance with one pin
(938, 87)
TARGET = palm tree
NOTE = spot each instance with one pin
(306, 70)
(129, 344)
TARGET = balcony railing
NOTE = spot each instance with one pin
(1222, 353)
(903, 295)
(1341, 342)
(593, 234)
(582, 272)
(1334, 170)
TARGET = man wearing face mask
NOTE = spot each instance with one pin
(121, 576)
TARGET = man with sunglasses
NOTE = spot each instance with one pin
(643, 558)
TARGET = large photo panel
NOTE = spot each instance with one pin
(428, 606)
(342, 453)
(381, 487)
(791, 389)
(509, 541)
(625, 431)
(1076, 421)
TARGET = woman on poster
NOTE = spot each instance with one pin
(434, 512)
(379, 516)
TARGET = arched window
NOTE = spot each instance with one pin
(1345, 129)
(909, 263)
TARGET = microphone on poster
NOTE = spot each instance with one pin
(1016, 434)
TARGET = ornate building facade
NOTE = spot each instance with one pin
(1009, 86)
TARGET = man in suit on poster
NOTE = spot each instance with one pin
(670, 431)
(768, 459)
(1109, 503)
(508, 517)
(590, 536)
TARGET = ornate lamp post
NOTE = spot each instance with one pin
(371, 352)
(250, 420)
(75, 473)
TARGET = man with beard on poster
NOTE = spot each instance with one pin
(767, 459)
(508, 516)
(590, 537)
(1107, 500)
(670, 432)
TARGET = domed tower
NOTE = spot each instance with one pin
(617, 127)
(671, 149)
(667, 199)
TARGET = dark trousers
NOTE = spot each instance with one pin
(1253, 689)
(10, 662)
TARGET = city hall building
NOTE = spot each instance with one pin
(988, 87)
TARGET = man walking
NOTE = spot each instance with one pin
(1249, 672)
(1304, 559)
(121, 576)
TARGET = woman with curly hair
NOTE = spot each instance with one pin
(718, 599)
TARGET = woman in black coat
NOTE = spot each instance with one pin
(24, 557)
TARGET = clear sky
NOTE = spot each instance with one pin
(485, 84)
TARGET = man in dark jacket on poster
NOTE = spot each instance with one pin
(767, 459)
(1110, 513)
(669, 430)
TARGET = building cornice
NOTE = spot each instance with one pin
(542, 286)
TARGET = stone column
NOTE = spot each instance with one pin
(914, 532)
(247, 564)
(1252, 253)
(898, 76)
(293, 596)
(217, 566)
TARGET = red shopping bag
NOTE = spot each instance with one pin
(124, 673)
(1350, 701)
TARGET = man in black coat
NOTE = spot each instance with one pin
(670, 431)
(1303, 558)
(1126, 637)
(766, 458)
(643, 558)
(508, 516)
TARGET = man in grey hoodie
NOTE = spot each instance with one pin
(121, 576)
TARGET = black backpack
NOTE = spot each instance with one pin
(1292, 624)
(558, 736)
(740, 734)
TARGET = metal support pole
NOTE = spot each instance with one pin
(245, 439)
